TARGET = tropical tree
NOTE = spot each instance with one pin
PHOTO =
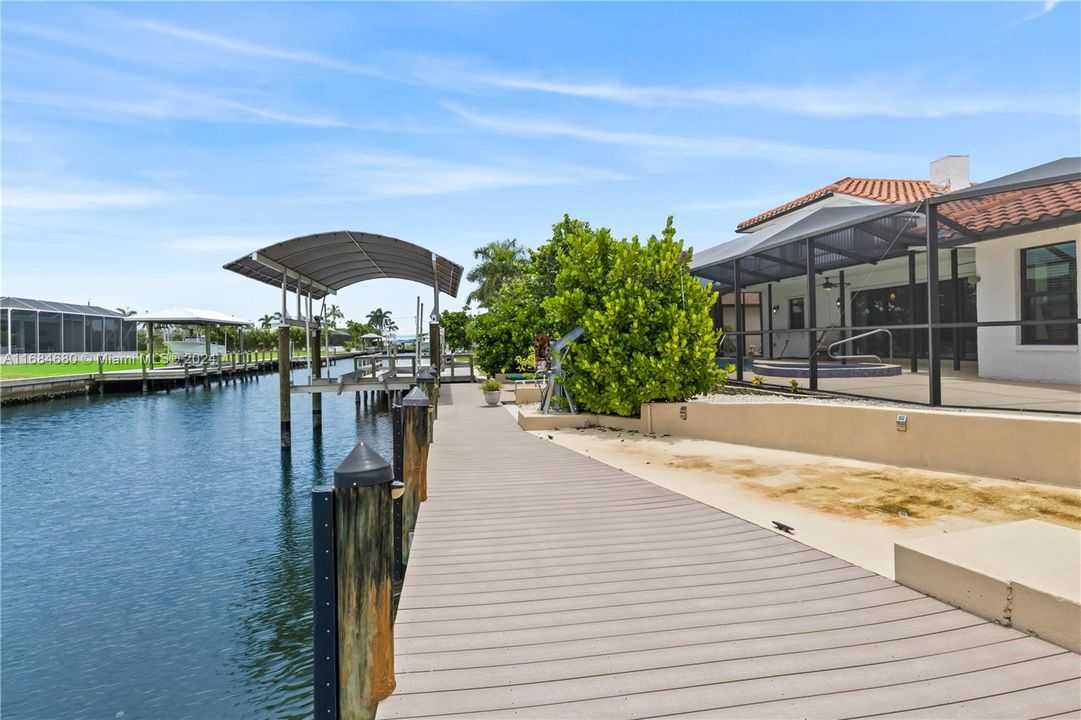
(126, 312)
(266, 320)
(503, 336)
(500, 262)
(334, 314)
(455, 324)
(379, 318)
(648, 329)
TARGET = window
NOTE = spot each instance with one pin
(795, 314)
(24, 331)
(49, 333)
(1049, 292)
(73, 333)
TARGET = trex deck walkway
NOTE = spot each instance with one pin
(544, 584)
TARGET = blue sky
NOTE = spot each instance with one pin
(146, 144)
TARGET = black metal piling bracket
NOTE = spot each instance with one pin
(324, 605)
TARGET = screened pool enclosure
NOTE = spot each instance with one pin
(40, 326)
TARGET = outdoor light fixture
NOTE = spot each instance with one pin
(838, 302)
(397, 489)
(828, 285)
(776, 308)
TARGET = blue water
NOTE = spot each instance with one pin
(156, 552)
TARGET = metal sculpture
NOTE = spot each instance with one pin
(558, 352)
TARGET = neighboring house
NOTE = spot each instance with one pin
(1021, 265)
(45, 327)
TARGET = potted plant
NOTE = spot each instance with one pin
(492, 390)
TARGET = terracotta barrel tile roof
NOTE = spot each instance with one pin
(994, 212)
(895, 192)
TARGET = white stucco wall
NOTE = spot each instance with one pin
(998, 297)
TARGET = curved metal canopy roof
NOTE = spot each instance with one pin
(327, 262)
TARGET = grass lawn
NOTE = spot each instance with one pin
(39, 370)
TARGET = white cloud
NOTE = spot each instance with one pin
(220, 243)
(238, 46)
(372, 175)
(164, 102)
(873, 97)
(679, 144)
(89, 199)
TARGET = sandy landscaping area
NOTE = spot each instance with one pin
(852, 509)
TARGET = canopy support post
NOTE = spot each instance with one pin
(934, 349)
(842, 301)
(912, 334)
(739, 320)
(149, 343)
(956, 309)
(315, 367)
(769, 316)
(284, 365)
(811, 319)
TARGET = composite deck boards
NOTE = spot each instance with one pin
(545, 584)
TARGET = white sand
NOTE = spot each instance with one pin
(865, 542)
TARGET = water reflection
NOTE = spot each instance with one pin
(157, 552)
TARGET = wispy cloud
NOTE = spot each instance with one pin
(873, 97)
(165, 102)
(219, 243)
(17, 198)
(239, 46)
(653, 142)
(378, 174)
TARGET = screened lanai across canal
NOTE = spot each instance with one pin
(968, 298)
(42, 326)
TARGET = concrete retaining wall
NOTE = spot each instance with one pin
(1014, 447)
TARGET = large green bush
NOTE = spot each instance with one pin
(648, 330)
(503, 336)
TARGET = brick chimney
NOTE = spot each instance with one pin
(951, 171)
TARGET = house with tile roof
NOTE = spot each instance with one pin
(1005, 271)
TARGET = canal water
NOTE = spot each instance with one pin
(156, 552)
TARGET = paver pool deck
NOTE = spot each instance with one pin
(545, 584)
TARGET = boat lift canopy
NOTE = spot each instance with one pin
(320, 265)
(189, 316)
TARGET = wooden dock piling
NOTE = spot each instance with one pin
(317, 372)
(283, 387)
(362, 538)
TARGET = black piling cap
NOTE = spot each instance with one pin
(362, 467)
(426, 374)
(415, 398)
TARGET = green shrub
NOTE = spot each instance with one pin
(491, 385)
(503, 336)
(758, 380)
(648, 329)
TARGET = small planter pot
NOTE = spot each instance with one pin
(492, 397)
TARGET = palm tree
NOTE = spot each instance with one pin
(500, 262)
(126, 312)
(264, 322)
(334, 313)
(379, 318)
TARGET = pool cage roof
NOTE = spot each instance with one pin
(1040, 197)
(15, 303)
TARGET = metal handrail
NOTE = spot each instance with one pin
(829, 349)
